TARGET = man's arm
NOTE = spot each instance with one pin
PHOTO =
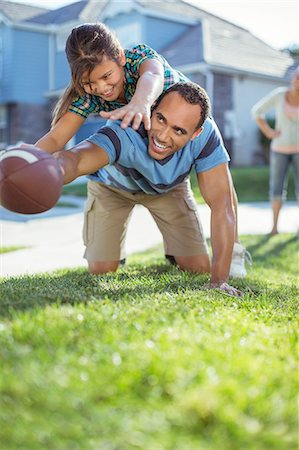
(216, 188)
(83, 159)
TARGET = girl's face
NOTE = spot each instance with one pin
(106, 80)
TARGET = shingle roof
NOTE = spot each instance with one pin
(16, 12)
(60, 15)
(213, 40)
(177, 7)
(225, 45)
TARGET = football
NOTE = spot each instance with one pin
(30, 180)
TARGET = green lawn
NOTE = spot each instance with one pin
(147, 359)
(251, 183)
(10, 249)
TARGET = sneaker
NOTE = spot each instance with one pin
(239, 259)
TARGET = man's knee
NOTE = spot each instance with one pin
(197, 263)
(100, 267)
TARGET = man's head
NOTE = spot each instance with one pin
(177, 118)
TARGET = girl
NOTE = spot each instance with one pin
(118, 84)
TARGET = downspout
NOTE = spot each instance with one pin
(210, 87)
(51, 60)
(206, 42)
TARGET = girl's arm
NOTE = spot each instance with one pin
(61, 133)
(149, 87)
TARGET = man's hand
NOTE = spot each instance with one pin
(226, 288)
(134, 113)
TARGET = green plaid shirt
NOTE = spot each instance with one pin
(92, 104)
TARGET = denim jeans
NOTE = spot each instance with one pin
(279, 167)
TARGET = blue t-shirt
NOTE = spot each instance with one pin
(132, 169)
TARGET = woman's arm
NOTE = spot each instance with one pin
(265, 128)
(259, 110)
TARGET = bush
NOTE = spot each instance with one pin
(265, 142)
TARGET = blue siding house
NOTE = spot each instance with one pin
(235, 67)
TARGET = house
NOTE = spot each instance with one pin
(235, 67)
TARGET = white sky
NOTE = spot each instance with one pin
(274, 21)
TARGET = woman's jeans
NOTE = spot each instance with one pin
(279, 167)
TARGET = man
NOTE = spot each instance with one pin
(132, 167)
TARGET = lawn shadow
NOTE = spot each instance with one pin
(147, 277)
(260, 243)
(76, 286)
(134, 282)
(270, 251)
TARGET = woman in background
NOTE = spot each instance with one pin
(285, 140)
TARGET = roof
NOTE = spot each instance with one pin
(81, 11)
(226, 45)
(16, 12)
(213, 40)
(61, 15)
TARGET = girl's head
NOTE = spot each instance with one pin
(96, 60)
(88, 47)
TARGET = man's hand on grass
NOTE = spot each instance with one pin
(225, 288)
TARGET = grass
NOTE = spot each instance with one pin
(255, 178)
(251, 184)
(63, 204)
(78, 189)
(11, 249)
(147, 359)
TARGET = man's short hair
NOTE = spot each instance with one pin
(192, 93)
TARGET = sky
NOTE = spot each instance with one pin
(274, 21)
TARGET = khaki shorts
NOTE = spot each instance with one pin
(108, 211)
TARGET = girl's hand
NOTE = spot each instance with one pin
(133, 113)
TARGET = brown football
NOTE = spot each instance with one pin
(30, 180)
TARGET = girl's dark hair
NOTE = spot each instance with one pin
(85, 48)
(192, 93)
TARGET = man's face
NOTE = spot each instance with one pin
(173, 124)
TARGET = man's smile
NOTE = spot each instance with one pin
(158, 147)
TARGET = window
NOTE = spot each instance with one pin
(3, 127)
(1, 57)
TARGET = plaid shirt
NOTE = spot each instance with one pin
(92, 104)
